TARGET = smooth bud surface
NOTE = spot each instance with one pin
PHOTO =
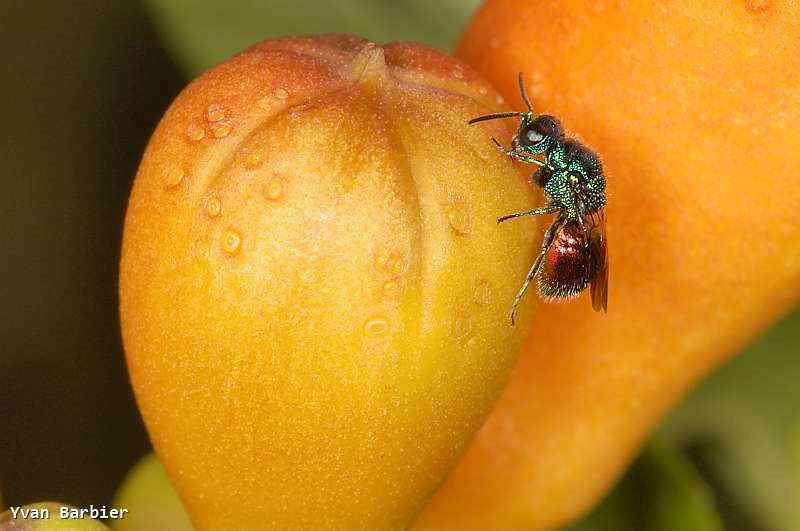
(314, 290)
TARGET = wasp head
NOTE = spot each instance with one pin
(537, 135)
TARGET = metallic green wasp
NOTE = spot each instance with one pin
(573, 254)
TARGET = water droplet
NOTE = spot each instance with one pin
(391, 289)
(398, 265)
(459, 221)
(280, 93)
(482, 91)
(221, 131)
(376, 327)
(231, 241)
(174, 177)
(254, 159)
(273, 189)
(381, 260)
(195, 132)
(215, 113)
(462, 328)
(213, 206)
(500, 100)
(483, 293)
(458, 72)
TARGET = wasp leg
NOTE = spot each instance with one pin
(516, 155)
(537, 264)
(547, 209)
(526, 158)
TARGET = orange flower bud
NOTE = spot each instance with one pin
(314, 290)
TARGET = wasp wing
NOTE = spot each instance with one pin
(598, 260)
(594, 224)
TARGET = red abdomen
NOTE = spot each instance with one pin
(566, 269)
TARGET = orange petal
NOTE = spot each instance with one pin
(695, 109)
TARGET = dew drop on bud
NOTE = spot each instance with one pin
(273, 189)
(381, 260)
(459, 221)
(280, 93)
(215, 113)
(254, 159)
(376, 327)
(221, 131)
(195, 132)
(391, 289)
(231, 241)
(458, 72)
(398, 265)
(462, 328)
(483, 293)
(213, 206)
(173, 178)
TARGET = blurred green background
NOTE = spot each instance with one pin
(84, 84)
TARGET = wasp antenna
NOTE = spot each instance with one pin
(523, 93)
(494, 116)
(501, 146)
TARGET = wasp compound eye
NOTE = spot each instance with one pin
(530, 136)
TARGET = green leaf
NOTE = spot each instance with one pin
(202, 33)
(660, 492)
